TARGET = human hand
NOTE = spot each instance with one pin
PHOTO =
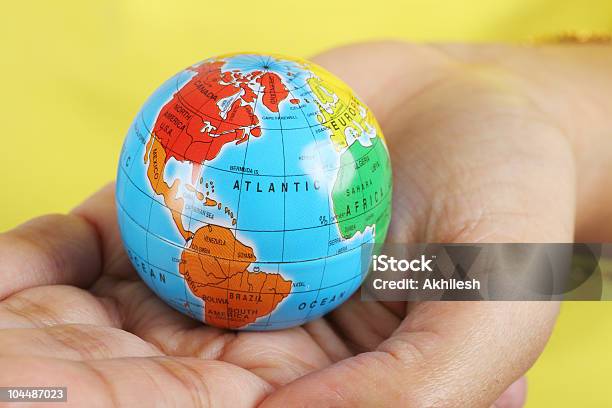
(481, 153)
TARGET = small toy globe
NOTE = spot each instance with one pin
(248, 187)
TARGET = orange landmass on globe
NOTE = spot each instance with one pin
(209, 202)
(199, 195)
(211, 110)
(215, 268)
(155, 157)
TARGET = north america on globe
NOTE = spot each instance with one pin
(250, 190)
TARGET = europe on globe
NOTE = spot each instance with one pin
(249, 187)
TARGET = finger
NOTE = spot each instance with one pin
(278, 357)
(423, 65)
(147, 316)
(514, 396)
(450, 354)
(139, 382)
(57, 305)
(571, 84)
(100, 212)
(49, 250)
(74, 342)
(484, 166)
(64, 249)
(363, 325)
(328, 339)
(549, 75)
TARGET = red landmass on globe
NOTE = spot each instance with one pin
(274, 91)
(208, 112)
(213, 109)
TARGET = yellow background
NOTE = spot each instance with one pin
(73, 73)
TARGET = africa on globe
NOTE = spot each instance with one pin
(249, 187)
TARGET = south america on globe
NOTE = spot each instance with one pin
(248, 188)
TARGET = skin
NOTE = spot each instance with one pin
(489, 144)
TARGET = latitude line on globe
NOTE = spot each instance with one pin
(260, 175)
(332, 118)
(385, 196)
(246, 291)
(227, 259)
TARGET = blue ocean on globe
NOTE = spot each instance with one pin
(250, 190)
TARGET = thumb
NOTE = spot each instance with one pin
(474, 162)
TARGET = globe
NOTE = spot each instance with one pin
(251, 189)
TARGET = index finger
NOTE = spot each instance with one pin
(451, 354)
(100, 211)
(62, 249)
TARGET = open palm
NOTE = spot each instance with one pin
(462, 137)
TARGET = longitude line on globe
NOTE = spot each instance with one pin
(153, 199)
(246, 150)
(329, 204)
